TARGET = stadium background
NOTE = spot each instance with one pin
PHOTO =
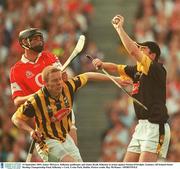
(104, 116)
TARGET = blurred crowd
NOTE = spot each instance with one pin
(156, 20)
(62, 22)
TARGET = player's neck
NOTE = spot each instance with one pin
(55, 96)
(31, 55)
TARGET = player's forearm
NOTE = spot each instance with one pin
(21, 99)
(129, 44)
(96, 76)
(102, 77)
(110, 67)
(92, 76)
(21, 124)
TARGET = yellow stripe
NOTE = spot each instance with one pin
(67, 93)
(45, 111)
(65, 120)
(57, 124)
(19, 114)
(144, 65)
(122, 73)
(121, 70)
(38, 114)
(83, 79)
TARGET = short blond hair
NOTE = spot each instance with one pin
(47, 70)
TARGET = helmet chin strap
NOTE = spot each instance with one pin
(25, 47)
(37, 49)
(28, 44)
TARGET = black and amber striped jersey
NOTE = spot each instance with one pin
(43, 107)
(149, 87)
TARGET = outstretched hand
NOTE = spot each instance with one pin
(123, 82)
(126, 82)
(118, 21)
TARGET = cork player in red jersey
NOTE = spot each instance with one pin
(25, 75)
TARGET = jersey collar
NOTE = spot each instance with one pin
(25, 60)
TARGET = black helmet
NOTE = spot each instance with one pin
(154, 48)
(28, 34)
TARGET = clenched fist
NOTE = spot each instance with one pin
(118, 21)
(37, 136)
(98, 64)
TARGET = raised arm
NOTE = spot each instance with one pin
(21, 99)
(128, 43)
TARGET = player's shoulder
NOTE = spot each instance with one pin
(158, 66)
(16, 66)
(46, 54)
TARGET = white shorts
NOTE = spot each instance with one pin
(146, 138)
(57, 150)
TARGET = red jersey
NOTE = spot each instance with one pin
(25, 76)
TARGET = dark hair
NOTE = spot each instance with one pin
(153, 47)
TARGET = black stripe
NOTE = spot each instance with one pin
(39, 104)
(70, 91)
(161, 137)
(37, 121)
(77, 83)
(161, 129)
(69, 115)
(63, 129)
(58, 105)
(28, 109)
(46, 93)
(50, 114)
(161, 133)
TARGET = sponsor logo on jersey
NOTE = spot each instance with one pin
(135, 89)
(29, 74)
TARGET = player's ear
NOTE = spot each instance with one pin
(64, 76)
(153, 56)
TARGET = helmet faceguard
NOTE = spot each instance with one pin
(28, 34)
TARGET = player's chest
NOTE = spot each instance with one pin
(30, 70)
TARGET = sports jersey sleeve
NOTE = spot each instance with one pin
(78, 82)
(129, 71)
(16, 89)
(53, 60)
(125, 72)
(26, 110)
